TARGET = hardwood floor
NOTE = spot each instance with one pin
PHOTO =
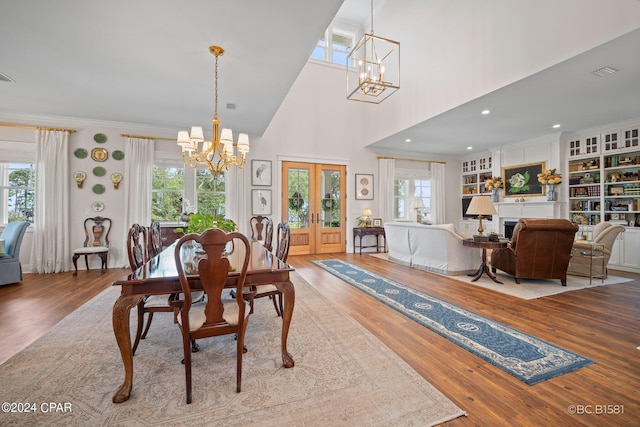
(601, 323)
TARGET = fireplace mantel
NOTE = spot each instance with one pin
(512, 211)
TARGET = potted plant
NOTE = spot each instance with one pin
(201, 222)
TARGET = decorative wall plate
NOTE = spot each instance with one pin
(97, 206)
(81, 153)
(99, 171)
(100, 138)
(99, 154)
(118, 155)
(98, 188)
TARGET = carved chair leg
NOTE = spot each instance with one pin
(75, 264)
(146, 329)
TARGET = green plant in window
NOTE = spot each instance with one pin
(201, 222)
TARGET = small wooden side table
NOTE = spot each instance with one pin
(369, 231)
(484, 267)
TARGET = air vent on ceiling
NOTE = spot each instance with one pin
(5, 78)
(232, 106)
(604, 71)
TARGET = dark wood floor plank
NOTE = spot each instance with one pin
(601, 323)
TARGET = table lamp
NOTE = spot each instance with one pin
(418, 205)
(366, 213)
(481, 205)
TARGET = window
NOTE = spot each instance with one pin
(167, 193)
(210, 192)
(17, 187)
(335, 46)
(410, 184)
(179, 188)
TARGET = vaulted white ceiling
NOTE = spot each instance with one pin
(147, 62)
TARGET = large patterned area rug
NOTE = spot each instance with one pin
(530, 288)
(527, 358)
(343, 375)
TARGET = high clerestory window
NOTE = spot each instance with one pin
(335, 46)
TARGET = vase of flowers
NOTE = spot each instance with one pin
(494, 184)
(550, 178)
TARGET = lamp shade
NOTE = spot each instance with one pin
(367, 212)
(417, 203)
(481, 205)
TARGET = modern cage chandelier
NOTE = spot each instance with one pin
(377, 61)
(217, 154)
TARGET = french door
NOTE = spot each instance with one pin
(314, 204)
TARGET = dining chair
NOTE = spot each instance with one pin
(96, 242)
(221, 314)
(138, 252)
(262, 230)
(155, 239)
(282, 253)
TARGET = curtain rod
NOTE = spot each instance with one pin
(36, 127)
(124, 135)
(413, 160)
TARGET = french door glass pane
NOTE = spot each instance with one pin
(298, 198)
(330, 188)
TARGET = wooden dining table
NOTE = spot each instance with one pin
(159, 276)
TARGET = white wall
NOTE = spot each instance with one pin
(455, 51)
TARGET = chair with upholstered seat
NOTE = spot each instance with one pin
(540, 248)
(262, 230)
(221, 314)
(591, 258)
(10, 243)
(282, 253)
(96, 242)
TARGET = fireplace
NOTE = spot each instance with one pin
(508, 228)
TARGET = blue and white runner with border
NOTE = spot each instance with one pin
(529, 359)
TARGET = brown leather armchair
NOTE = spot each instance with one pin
(539, 249)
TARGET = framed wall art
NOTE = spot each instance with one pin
(522, 180)
(260, 202)
(261, 172)
(364, 186)
(377, 222)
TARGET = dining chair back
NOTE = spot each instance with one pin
(262, 230)
(96, 242)
(282, 253)
(220, 314)
(155, 239)
(137, 248)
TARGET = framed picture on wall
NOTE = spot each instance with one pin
(261, 202)
(261, 172)
(522, 180)
(364, 186)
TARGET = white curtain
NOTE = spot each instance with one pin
(137, 186)
(386, 174)
(437, 193)
(50, 252)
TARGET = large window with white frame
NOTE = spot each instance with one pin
(411, 186)
(181, 189)
(17, 191)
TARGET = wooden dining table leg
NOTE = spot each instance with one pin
(121, 311)
(289, 295)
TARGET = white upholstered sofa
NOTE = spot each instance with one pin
(436, 248)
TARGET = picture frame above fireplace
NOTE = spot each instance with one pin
(522, 180)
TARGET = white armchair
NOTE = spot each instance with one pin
(581, 264)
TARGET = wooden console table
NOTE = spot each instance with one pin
(369, 231)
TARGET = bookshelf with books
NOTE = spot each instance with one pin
(584, 190)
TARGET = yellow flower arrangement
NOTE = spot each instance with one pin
(493, 183)
(549, 177)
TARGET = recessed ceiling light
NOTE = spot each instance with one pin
(407, 140)
(469, 148)
(556, 126)
(485, 112)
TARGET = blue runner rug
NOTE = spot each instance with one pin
(529, 359)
